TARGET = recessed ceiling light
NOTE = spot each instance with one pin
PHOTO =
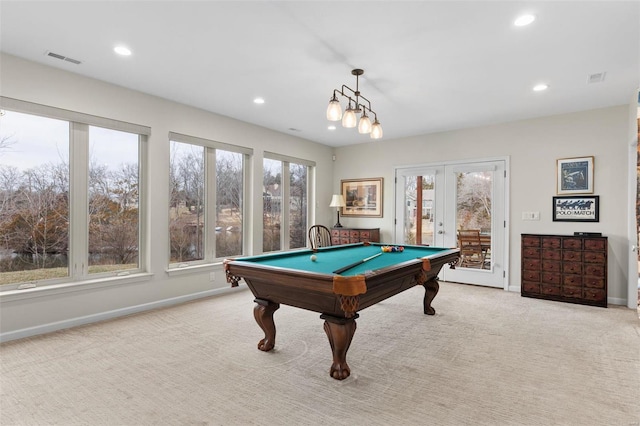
(331, 127)
(524, 20)
(258, 101)
(122, 50)
(540, 87)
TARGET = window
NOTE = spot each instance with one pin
(114, 198)
(65, 176)
(285, 202)
(206, 203)
(34, 198)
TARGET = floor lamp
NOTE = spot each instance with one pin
(337, 201)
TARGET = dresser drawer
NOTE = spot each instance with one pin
(572, 268)
(594, 257)
(531, 275)
(595, 269)
(531, 252)
(595, 244)
(529, 241)
(593, 282)
(551, 242)
(531, 264)
(551, 254)
(572, 280)
(573, 292)
(530, 287)
(549, 278)
(595, 295)
(550, 290)
(572, 256)
(550, 266)
(365, 235)
(572, 243)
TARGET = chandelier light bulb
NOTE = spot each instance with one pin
(334, 110)
(376, 130)
(349, 119)
(364, 126)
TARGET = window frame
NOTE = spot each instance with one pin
(78, 255)
(209, 244)
(285, 228)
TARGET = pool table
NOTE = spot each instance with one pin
(294, 279)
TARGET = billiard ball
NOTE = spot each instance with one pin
(313, 258)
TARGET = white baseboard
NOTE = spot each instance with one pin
(102, 316)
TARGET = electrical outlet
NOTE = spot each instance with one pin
(212, 276)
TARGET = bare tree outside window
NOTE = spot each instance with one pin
(34, 198)
(113, 200)
(186, 203)
(271, 204)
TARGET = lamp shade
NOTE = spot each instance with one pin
(349, 118)
(365, 124)
(376, 130)
(334, 110)
(337, 200)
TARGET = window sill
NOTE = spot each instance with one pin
(75, 286)
(194, 269)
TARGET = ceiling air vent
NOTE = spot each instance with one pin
(64, 58)
(596, 78)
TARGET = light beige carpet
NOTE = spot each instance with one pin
(488, 357)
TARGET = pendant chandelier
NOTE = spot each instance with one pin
(355, 106)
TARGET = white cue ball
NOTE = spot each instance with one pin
(313, 257)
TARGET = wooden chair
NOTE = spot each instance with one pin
(319, 236)
(471, 252)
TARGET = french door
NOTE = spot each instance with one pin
(434, 202)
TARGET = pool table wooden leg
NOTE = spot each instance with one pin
(263, 313)
(340, 332)
(431, 288)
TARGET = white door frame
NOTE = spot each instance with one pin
(397, 238)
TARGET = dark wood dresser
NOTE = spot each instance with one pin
(566, 268)
(354, 235)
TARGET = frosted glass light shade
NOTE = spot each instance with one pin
(364, 126)
(376, 130)
(334, 110)
(349, 118)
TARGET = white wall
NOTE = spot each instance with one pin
(31, 311)
(533, 147)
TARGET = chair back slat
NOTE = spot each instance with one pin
(319, 236)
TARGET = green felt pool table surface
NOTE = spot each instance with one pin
(329, 259)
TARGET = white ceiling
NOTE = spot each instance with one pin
(429, 66)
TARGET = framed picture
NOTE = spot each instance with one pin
(576, 208)
(362, 196)
(574, 175)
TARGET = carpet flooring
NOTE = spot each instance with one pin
(488, 357)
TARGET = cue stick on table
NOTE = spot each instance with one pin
(353, 265)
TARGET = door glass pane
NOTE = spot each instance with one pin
(473, 212)
(272, 205)
(419, 210)
(34, 198)
(186, 202)
(229, 188)
(114, 198)
(297, 205)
